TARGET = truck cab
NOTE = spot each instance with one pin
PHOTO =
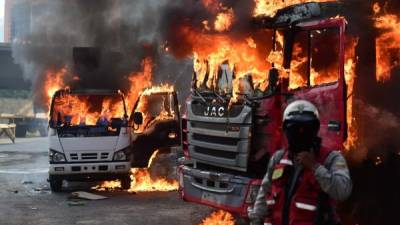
(89, 137)
(156, 124)
(228, 136)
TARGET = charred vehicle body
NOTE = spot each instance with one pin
(156, 125)
(228, 136)
(89, 137)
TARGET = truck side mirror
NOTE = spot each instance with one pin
(138, 118)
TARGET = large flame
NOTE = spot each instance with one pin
(387, 48)
(142, 181)
(84, 110)
(146, 106)
(138, 82)
(54, 81)
(350, 75)
(241, 55)
(219, 217)
(270, 7)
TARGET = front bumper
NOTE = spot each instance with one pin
(218, 190)
(100, 169)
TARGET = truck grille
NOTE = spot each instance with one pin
(89, 156)
(220, 141)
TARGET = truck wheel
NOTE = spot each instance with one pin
(126, 182)
(20, 131)
(43, 131)
(56, 185)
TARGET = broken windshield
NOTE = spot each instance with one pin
(305, 57)
(155, 107)
(71, 110)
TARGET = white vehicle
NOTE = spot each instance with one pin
(89, 137)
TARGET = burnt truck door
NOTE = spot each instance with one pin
(156, 126)
(317, 75)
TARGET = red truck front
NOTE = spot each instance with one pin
(229, 136)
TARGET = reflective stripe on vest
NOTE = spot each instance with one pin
(305, 206)
(304, 202)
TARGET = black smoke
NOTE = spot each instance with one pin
(121, 34)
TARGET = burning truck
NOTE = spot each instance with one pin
(93, 138)
(99, 135)
(89, 137)
(232, 123)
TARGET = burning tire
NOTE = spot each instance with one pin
(56, 185)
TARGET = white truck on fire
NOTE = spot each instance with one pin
(89, 137)
(92, 138)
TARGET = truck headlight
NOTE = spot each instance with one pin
(56, 157)
(120, 156)
(172, 135)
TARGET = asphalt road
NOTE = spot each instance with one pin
(25, 197)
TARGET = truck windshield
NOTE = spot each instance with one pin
(306, 57)
(155, 107)
(82, 110)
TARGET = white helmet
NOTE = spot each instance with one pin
(298, 108)
(301, 125)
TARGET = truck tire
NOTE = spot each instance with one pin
(56, 185)
(43, 131)
(126, 182)
(20, 131)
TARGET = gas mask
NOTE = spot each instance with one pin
(301, 132)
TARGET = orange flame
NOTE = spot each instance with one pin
(82, 111)
(54, 82)
(387, 48)
(270, 7)
(350, 75)
(108, 185)
(219, 217)
(142, 181)
(138, 82)
(224, 21)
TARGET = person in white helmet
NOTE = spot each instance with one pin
(304, 182)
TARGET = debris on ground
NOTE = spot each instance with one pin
(87, 195)
(76, 203)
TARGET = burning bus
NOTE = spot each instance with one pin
(89, 137)
(233, 118)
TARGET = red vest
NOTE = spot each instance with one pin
(306, 202)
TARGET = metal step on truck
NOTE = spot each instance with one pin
(227, 144)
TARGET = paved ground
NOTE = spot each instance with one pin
(25, 197)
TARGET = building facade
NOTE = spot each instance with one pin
(19, 17)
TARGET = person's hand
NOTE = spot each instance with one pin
(307, 160)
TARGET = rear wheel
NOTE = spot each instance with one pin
(56, 185)
(126, 182)
(20, 131)
(43, 131)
